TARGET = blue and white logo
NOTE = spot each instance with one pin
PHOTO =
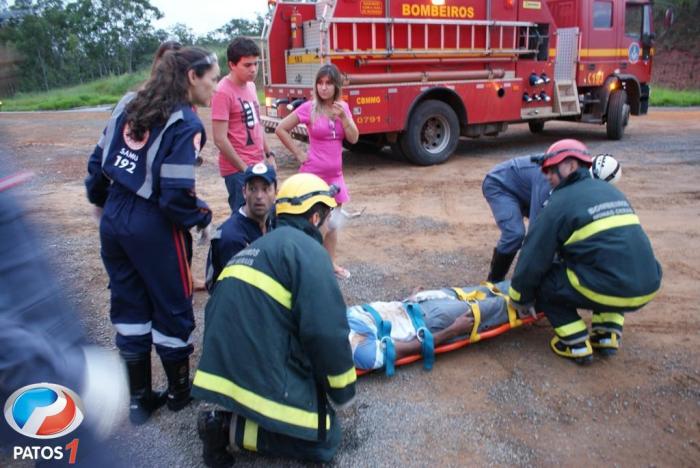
(633, 52)
(44, 411)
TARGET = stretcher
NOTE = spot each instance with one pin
(513, 322)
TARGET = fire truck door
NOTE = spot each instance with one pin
(604, 22)
(636, 40)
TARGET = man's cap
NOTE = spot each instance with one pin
(261, 170)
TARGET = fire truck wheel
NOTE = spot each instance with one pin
(536, 126)
(432, 133)
(618, 114)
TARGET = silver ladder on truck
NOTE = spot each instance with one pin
(322, 39)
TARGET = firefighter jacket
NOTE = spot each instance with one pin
(592, 229)
(276, 335)
(159, 169)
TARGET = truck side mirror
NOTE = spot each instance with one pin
(669, 18)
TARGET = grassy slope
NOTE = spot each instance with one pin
(103, 91)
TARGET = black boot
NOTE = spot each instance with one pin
(213, 428)
(500, 263)
(178, 373)
(144, 400)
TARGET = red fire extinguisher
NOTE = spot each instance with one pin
(297, 35)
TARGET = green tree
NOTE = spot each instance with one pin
(69, 42)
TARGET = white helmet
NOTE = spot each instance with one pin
(605, 167)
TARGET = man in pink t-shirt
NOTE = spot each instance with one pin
(235, 115)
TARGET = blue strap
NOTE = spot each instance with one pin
(423, 334)
(384, 335)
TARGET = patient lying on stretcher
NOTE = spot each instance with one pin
(384, 332)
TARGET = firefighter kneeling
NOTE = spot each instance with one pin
(587, 250)
(276, 340)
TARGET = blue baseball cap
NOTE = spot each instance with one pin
(262, 170)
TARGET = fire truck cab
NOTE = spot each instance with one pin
(420, 74)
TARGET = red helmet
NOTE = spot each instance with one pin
(563, 149)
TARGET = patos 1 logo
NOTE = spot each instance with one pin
(44, 411)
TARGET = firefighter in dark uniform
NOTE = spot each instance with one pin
(514, 189)
(276, 346)
(142, 174)
(587, 250)
(249, 222)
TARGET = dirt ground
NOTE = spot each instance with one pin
(506, 401)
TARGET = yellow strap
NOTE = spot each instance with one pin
(614, 301)
(344, 379)
(600, 225)
(514, 293)
(475, 295)
(250, 435)
(260, 280)
(259, 404)
(513, 319)
(476, 311)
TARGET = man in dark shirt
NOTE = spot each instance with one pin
(251, 221)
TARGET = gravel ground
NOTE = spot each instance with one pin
(506, 401)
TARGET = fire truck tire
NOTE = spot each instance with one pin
(432, 133)
(397, 150)
(618, 114)
(536, 126)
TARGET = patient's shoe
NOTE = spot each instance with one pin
(605, 343)
(581, 353)
(213, 428)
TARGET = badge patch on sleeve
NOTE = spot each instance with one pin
(134, 145)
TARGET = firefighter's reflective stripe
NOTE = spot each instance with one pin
(571, 329)
(112, 125)
(169, 341)
(265, 407)
(260, 280)
(608, 317)
(133, 329)
(101, 143)
(147, 188)
(177, 171)
(614, 301)
(600, 225)
(344, 379)
(250, 435)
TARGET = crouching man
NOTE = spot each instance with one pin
(276, 344)
(586, 251)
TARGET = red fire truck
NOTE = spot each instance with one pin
(421, 73)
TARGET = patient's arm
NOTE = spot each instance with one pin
(461, 326)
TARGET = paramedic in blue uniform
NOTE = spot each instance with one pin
(514, 189)
(141, 174)
(249, 222)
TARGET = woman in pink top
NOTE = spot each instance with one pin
(329, 121)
